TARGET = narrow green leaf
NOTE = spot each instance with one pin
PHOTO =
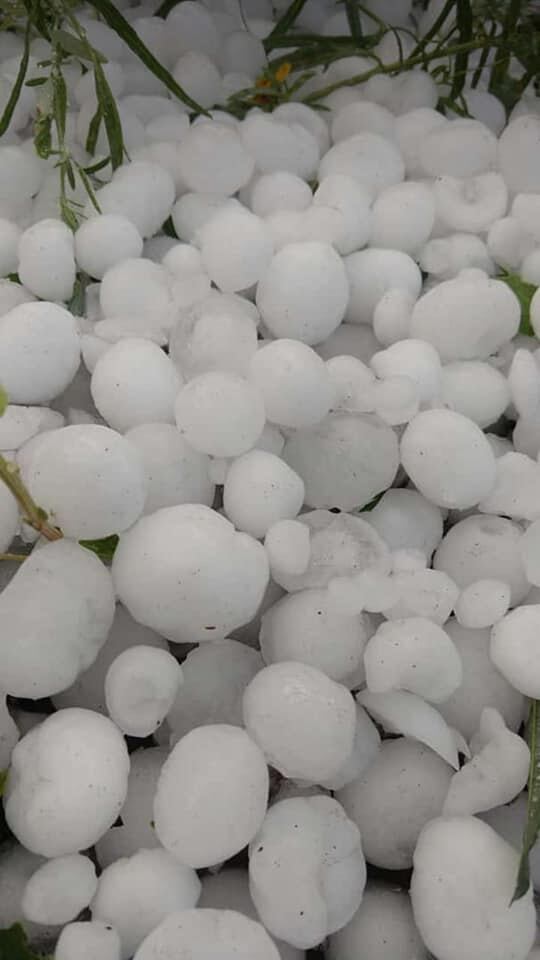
(111, 117)
(532, 827)
(3, 781)
(96, 167)
(114, 19)
(285, 22)
(89, 189)
(353, 19)
(68, 214)
(59, 103)
(464, 19)
(36, 82)
(165, 8)
(104, 548)
(3, 404)
(93, 132)
(168, 229)
(373, 503)
(14, 945)
(524, 291)
(70, 174)
(42, 135)
(9, 109)
(76, 47)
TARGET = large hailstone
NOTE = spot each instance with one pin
(382, 928)
(56, 613)
(345, 460)
(39, 352)
(89, 478)
(405, 519)
(46, 261)
(413, 654)
(58, 891)
(462, 887)
(67, 782)
(186, 572)
(303, 721)
(135, 894)
(497, 772)
(88, 941)
(401, 790)
(306, 870)
(140, 688)
(448, 458)
(260, 489)
(220, 413)
(514, 648)
(203, 933)
(211, 795)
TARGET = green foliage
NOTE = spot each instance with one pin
(532, 826)
(14, 945)
(3, 781)
(524, 292)
(3, 401)
(104, 548)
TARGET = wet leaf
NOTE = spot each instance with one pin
(104, 548)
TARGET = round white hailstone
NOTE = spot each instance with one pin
(138, 288)
(405, 519)
(302, 720)
(530, 552)
(530, 268)
(215, 334)
(89, 478)
(475, 389)
(306, 870)
(104, 241)
(68, 782)
(279, 191)
(403, 217)
(9, 517)
(413, 654)
(140, 689)
(236, 248)
(485, 107)
(303, 294)
(471, 204)
(199, 77)
(512, 648)
(195, 822)
(46, 262)
(60, 889)
(201, 933)
(346, 196)
(20, 424)
(353, 383)
(402, 789)
(482, 685)
(526, 209)
(306, 628)
(135, 894)
(392, 316)
(277, 146)
(211, 158)
(360, 116)
(371, 274)
(415, 359)
(287, 544)
(88, 941)
(311, 119)
(434, 448)
(497, 772)
(462, 887)
(174, 472)
(461, 148)
(518, 153)
(9, 242)
(294, 381)
(16, 868)
(509, 242)
(516, 493)
(345, 460)
(466, 319)
(193, 210)
(446, 257)
(401, 712)
(39, 352)
(374, 161)
(134, 383)
(411, 129)
(89, 688)
(181, 259)
(509, 822)
(259, 490)
(382, 928)
(414, 89)
(57, 611)
(395, 400)
(244, 52)
(482, 603)
(215, 677)
(220, 414)
(136, 831)
(12, 295)
(142, 191)
(192, 27)
(484, 547)
(186, 572)
(367, 743)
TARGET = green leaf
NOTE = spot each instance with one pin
(14, 945)
(285, 22)
(36, 82)
(3, 400)
(111, 117)
(464, 19)
(114, 19)
(165, 8)
(353, 19)
(532, 826)
(59, 104)
(3, 781)
(42, 135)
(77, 48)
(168, 229)
(524, 292)
(17, 86)
(93, 132)
(104, 548)
(373, 503)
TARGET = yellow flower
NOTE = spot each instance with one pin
(283, 72)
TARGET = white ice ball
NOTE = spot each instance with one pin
(103, 241)
(198, 824)
(403, 217)
(373, 160)
(279, 191)
(140, 688)
(371, 273)
(259, 490)
(512, 648)
(134, 382)
(60, 889)
(461, 148)
(236, 248)
(220, 414)
(294, 381)
(482, 603)
(39, 352)
(46, 260)
(382, 928)
(174, 472)
(88, 941)
(518, 152)
(475, 389)
(200, 933)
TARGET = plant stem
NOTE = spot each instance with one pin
(32, 514)
(14, 557)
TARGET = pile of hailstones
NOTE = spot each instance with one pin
(244, 392)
